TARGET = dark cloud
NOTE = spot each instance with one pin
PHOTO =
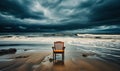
(108, 10)
(91, 16)
(19, 10)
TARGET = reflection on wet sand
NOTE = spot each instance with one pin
(58, 62)
(58, 65)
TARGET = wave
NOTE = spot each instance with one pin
(22, 44)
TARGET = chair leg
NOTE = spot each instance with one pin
(53, 56)
(63, 56)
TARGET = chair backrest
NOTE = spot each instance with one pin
(58, 45)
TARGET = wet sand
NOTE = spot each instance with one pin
(42, 61)
(22, 62)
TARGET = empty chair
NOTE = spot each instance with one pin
(58, 49)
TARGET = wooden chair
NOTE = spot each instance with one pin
(58, 49)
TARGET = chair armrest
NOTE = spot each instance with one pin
(53, 48)
(63, 48)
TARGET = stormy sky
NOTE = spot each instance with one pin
(68, 16)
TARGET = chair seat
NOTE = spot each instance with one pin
(58, 51)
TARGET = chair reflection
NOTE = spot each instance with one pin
(58, 62)
(58, 65)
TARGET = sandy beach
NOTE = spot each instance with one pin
(40, 61)
(81, 54)
(23, 62)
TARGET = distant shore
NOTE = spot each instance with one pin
(29, 35)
